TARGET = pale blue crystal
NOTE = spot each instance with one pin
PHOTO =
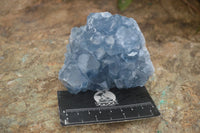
(109, 51)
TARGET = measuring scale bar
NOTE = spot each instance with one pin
(105, 106)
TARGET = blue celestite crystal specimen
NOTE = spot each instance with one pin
(109, 51)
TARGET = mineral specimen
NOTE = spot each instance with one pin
(109, 51)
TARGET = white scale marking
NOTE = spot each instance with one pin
(124, 115)
(96, 117)
(151, 112)
(66, 120)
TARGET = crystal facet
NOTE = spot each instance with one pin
(109, 51)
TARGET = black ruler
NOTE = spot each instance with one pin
(105, 106)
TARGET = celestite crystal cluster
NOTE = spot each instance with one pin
(109, 51)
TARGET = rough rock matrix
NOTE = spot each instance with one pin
(109, 51)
